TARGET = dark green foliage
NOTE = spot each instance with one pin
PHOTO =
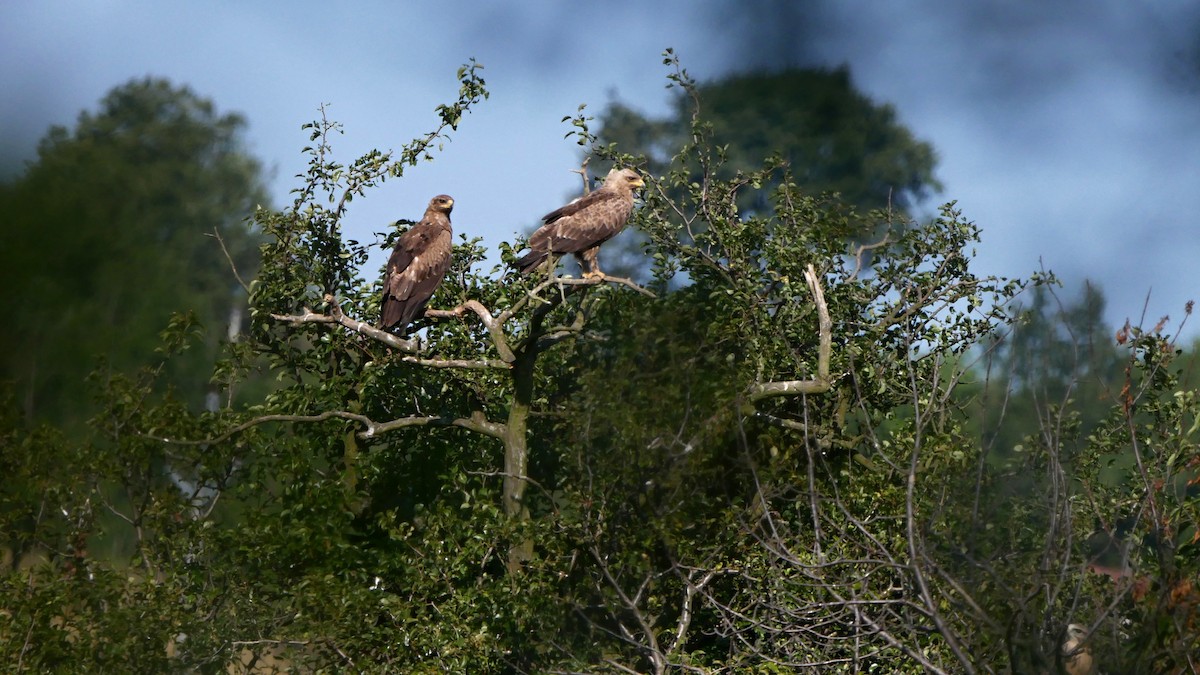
(832, 137)
(571, 477)
(112, 230)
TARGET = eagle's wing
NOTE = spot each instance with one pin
(414, 270)
(579, 204)
(582, 224)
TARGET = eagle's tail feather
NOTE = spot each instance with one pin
(400, 314)
(530, 261)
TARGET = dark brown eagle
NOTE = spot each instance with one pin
(581, 226)
(417, 265)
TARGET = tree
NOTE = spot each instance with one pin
(832, 137)
(134, 214)
(763, 468)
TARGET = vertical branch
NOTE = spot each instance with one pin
(516, 451)
(821, 382)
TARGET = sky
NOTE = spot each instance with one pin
(1069, 131)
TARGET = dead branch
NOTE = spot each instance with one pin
(336, 316)
(232, 266)
(821, 382)
(476, 422)
(583, 175)
(863, 248)
(534, 294)
(467, 364)
(494, 327)
(571, 281)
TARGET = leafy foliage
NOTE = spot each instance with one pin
(769, 460)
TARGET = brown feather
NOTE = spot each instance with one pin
(417, 264)
(585, 223)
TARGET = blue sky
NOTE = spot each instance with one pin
(1069, 131)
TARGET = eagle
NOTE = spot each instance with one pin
(583, 225)
(1076, 657)
(417, 265)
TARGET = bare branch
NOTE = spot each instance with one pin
(863, 248)
(583, 174)
(468, 364)
(561, 282)
(232, 266)
(336, 316)
(685, 610)
(476, 423)
(821, 383)
(655, 653)
(568, 281)
(288, 643)
(494, 327)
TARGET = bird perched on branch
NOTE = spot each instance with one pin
(1076, 657)
(417, 265)
(583, 225)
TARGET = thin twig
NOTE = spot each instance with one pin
(232, 266)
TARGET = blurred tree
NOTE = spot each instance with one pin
(831, 136)
(114, 227)
(1056, 354)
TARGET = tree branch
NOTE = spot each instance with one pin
(494, 327)
(534, 293)
(232, 266)
(821, 383)
(476, 422)
(468, 364)
(336, 316)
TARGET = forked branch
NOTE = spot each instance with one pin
(336, 315)
(495, 328)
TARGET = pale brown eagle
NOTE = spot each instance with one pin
(1076, 657)
(581, 226)
(417, 265)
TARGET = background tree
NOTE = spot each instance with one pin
(832, 137)
(113, 228)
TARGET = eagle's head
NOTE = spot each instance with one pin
(1076, 657)
(623, 179)
(442, 203)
